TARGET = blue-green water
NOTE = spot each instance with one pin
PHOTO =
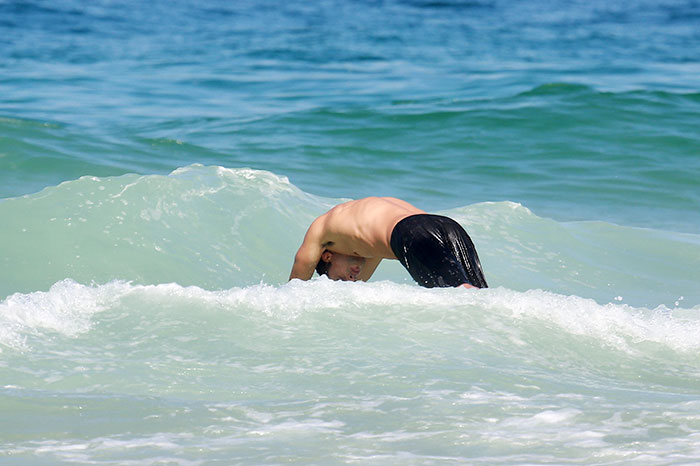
(160, 162)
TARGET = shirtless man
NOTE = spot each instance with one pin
(349, 241)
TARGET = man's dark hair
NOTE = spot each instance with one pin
(322, 267)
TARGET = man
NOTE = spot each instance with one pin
(349, 241)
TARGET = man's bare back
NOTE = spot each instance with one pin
(360, 228)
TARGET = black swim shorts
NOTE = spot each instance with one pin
(436, 251)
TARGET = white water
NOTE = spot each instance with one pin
(343, 372)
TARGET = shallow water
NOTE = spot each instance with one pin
(379, 372)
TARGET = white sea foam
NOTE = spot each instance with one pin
(65, 309)
(356, 370)
(68, 308)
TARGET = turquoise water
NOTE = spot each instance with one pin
(160, 163)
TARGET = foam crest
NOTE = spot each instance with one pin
(66, 309)
(620, 326)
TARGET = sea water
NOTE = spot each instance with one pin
(160, 163)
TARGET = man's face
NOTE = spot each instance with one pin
(345, 267)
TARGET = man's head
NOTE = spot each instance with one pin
(339, 266)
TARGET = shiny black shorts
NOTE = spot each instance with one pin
(436, 251)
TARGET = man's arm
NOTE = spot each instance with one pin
(305, 262)
(309, 253)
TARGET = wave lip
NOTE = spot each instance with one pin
(210, 226)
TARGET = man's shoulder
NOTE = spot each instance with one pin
(319, 225)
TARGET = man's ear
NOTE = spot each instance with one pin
(326, 256)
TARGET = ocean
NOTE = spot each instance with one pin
(161, 161)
